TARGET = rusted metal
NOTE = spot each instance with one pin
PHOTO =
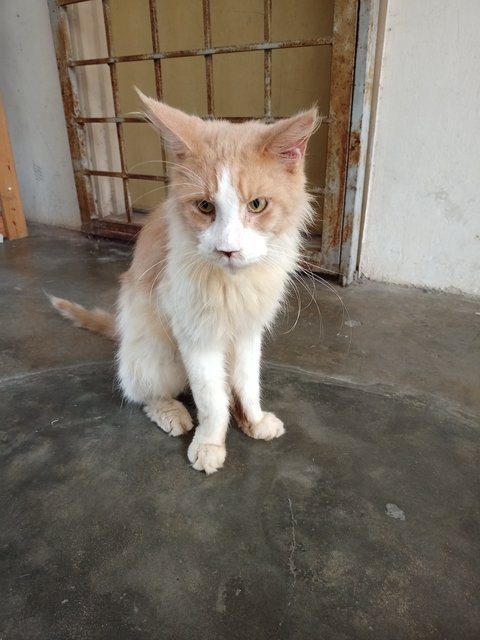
(125, 175)
(359, 134)
(63, 3)
(206, 51)
(267, 62)
(343, 57)
(157, 65)
(76, 134)
(112, 229)
(323, 254)
(207, 35)
(108, 120)
(116, 104)
(139, 119)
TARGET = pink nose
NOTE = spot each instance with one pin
(228, 254)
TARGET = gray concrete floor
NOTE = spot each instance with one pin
(363, 521)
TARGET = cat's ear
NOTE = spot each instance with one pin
(288, 138)
(178, 130)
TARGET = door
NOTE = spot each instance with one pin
(238, 60)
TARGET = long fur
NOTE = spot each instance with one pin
(204, 285)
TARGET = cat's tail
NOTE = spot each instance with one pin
(96, 320)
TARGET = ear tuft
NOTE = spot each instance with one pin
(178, 129)
(288, 138)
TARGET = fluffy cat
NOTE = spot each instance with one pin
(208, 275)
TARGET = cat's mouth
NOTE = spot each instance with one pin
(234, 262)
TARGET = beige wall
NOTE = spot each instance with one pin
(422, 223)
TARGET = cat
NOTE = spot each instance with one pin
(209, 272)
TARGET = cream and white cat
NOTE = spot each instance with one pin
(208, 275)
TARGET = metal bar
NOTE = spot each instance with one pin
(63, 3)
(157, 64)
(134, 119)
(76, 135)
(273, 119)
(108, 120)
(148, 176)
(207, 51)
(317, 191)
(207, 34)
(359, 137)
(116, 103)
(267, 62)
(343, 57)
(156, 47)
(124, 175)
(112, 229)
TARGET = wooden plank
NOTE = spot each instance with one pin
(12, 210)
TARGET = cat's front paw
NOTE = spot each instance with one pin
(268, 428)
(170, 415)
(206, 457)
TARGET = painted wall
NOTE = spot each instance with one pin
(422, 222)
(31, 95)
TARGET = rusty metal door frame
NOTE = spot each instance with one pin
(367, 55)
(346, 127)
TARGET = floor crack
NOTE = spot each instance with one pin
(292, 567)
(293, 548)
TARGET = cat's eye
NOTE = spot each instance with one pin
(258, 205)
(205, 207)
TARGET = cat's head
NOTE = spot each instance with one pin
(237, 187)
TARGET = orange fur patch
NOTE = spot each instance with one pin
(95, 320)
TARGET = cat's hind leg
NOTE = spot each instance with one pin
(151, 375)
(150, 368)
(170, 415)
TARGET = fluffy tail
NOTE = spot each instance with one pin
(95, 320)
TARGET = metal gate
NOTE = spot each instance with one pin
(327, 234)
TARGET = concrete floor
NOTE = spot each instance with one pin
(363, 521)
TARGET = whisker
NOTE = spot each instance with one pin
(165, 186)
(345, 311)
(304, 260)
(314, 277)
(139, 164)
(144, 195)
(321, 331)
(156, 264)
(268, 260)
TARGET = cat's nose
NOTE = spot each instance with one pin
(228, 254)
